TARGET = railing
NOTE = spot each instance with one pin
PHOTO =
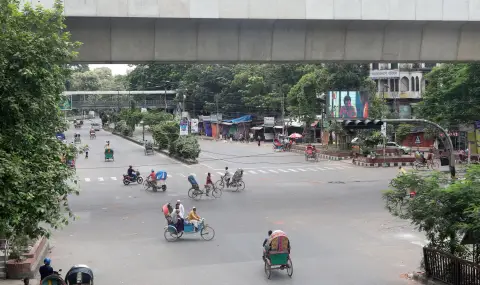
(4, 252)
(450, 269)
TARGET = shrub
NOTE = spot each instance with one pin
(186, 147)
(159, 136)
(122, 128)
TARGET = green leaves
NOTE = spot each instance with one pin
(33, 58)
(445, 211)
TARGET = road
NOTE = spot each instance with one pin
(332, 211)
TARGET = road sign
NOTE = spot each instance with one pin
(417, 140)
(384, 129)
(66, 103)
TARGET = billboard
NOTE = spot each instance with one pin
(348, 104)
(194, 126)
(66, 103)
(269, 122)
(184, 127)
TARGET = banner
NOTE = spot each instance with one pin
(66, 103)
(183, 127)
(194, 126)
(269, 122)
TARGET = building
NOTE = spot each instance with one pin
(401, 84)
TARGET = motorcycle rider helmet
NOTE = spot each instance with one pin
(47, 261)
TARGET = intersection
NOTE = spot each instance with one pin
(332, 212)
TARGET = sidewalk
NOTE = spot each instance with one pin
(17, 282)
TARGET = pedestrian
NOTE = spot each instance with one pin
(258, 139)
(401, 171)
(86, 151)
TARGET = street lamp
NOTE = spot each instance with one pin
(143, 130)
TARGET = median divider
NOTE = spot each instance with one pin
(156, 149)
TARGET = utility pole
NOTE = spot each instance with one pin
(447, 138)
(165, 95)
(283, 109)
(218, 123)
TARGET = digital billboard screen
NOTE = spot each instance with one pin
(348, 104)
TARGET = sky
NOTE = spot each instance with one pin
(117, 69)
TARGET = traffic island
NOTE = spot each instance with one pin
(29, 262)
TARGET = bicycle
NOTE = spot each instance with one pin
(196, 193)
(238, 184)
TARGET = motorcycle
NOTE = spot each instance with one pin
(127, 179)
(55, 278)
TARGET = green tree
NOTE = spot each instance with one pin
(403, 130)
(159, 136)
(34, 57)
(451, 96)
(186, 147)
(154, 118)
(445, 211)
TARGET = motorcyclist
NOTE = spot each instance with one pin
(45, 270)
(227, 176)
(131, 173)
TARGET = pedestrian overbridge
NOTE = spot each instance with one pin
(134, 31)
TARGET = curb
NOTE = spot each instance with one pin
(164, 152)
(325, 156)
(388, 164)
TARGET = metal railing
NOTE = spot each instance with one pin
(450, 269)
(112, 104)
(4, 252)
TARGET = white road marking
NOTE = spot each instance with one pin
(301, 169)
(261, 171)
(282, 170)
(100, 179)
(320, 169)
(311, 169)
(87, 179)
(339, 168)
(252, 172)
(292, 170)
(348, 167)
(113, 178)
(329, 168)
(169, 175)
(273, 171)
(182, 174)
(207, 166)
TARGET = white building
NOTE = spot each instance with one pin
(402, 85)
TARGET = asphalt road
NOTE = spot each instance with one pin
(332, 212)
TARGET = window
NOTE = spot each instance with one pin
(374, 66)
(394, 66)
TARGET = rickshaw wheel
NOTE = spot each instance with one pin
(190, 192)
(219, 184)
(216, 193)
(207, 233)
(289, 267)
(171, 234)
(240, 185)
(196, 195)
(268, 269)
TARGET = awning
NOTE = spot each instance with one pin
(256, 128)
(244, 119)
(278, 127)
(314, 124)
(228, 124)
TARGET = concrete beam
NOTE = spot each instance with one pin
(129, 40)
(393, 10)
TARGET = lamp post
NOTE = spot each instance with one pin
(143, 130)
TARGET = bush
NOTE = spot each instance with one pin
(159, 136)
(186, 147)
(122, 128)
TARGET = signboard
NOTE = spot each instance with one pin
(384, 74)
(384, 129)
(194, 126)
(348, 105)
(184, 127)
(269, 122)
(66, 104)
(417, 140)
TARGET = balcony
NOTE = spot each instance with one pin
(400, 95)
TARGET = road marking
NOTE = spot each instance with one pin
(273, 171)
(329, 168)
(182, 174)
(169, 175)
(292, 170)
(320, 169)
(220, 173)
(207, 166)
(100, 179)
(339, 167)
(87, 179)
(348, 167)
(252, 172)
(301, 169)
(311, 169)
(282, 170)
(113, 178)
(261, 171)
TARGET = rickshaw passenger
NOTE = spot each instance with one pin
(194, 218)
(265, 249)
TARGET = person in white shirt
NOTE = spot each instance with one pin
(181, 208)
(227, 176)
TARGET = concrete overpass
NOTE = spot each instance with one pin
(133, 31)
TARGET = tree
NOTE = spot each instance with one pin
(445, 211)
(154, 118)
(34, 57)
(451, 96)
(186, 147)
(403, 131)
